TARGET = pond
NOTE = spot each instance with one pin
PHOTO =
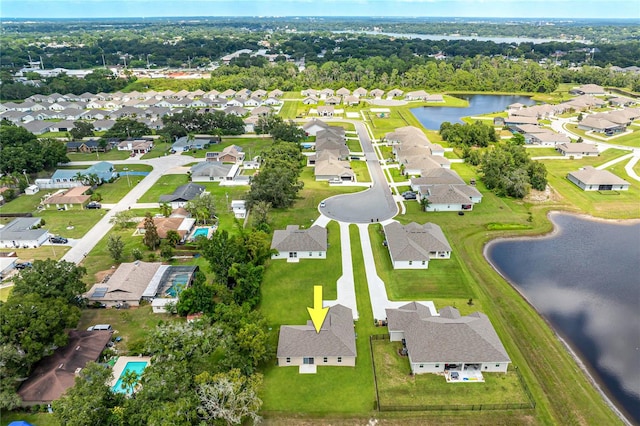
(433, 117)
(584, 279)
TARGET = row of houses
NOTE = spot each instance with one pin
(331, 158)
(441, 343)
(610, 122)
(344, 95)
(431, 174)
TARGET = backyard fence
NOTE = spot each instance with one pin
(448, 407)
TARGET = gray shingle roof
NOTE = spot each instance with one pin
(295, 239)
(591, 176)
(449, 337)
(413, 241)
(183, 193)
(336, 337)
(20, 229)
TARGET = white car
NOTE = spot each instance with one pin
(323, 205)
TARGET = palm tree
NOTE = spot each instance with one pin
(425, 203)
(129, 381)
(165, 209)
(80, 177)
(93, 179)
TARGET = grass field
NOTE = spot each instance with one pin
(4, 293)
(251, 146)
(113, 154)
(165, 185)
(397, 387)
(159, 149)
(39, 419)
(632, 139)
(543, 152)
(361, 170)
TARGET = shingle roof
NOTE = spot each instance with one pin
(19, 229)
(295, 239)
(336, 337)
(437, 177)
(580, 147)
(210, 169)
(448, 337)
(128, 282)
(590, 176)
(183, 193)
(413, 241)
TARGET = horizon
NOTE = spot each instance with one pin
(479, 9)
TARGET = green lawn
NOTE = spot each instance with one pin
(113, 154)
(165, 185)
(4, 293)
(52, 251)
(133, 324)
(251, 146)
(81, 220)
(40, 419)
(289, 109)
(632, 139)
(354, 145)
(24, 203)
(543, 152)
(159, 149)
(397, 387)
(361, 170)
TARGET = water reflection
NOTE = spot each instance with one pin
(585, 279)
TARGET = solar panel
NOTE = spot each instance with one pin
(100, 292)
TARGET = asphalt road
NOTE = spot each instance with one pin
(375, 204)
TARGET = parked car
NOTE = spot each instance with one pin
(58, 240)
(409, 195)
(323, 205)
(24, 265)
(94, 205)
(97, 305)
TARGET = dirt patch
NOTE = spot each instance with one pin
(548, 195)
(102, 274)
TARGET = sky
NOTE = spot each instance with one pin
(412, 8)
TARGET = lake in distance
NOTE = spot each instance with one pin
(432, 117)
(585, 280)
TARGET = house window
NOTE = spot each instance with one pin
(421, 365)
(310, 254)
(410, 262)
(339, 359)
(288, 360)
(437, 365)
(497, 365)
(423, 263)
(325, 359)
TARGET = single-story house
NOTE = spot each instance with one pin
(412, 246)
(310, 100)
(329, 166)
(213, 171)
(590, 179)
(230, 154)
(186, 143)
(182, 225)
(312, 127)
(376, 93)
(447, 342)
(167, 284)
(70, 198)
(326, 110)
(600, 125)
(452, 198)
(416, 95)
(31, 190)
(335, 344)
(394, 93)
(578, 150)
(55, 374)
(137, 146)
(182, 195)
(294, 243)
(68, 178)
(588, 89)
(126, 285)
(23, 232)
(343, 91)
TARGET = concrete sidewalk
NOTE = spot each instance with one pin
(346, 290)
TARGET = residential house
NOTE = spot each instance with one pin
(230, 154)
(136, 146)
(600, 125)
(310, 100)
(335, 344)
(351, 100)
(313, 126)
(412, 246)
(260, 93)
(447, 342)
(376, 93)
(343, 91)
(326, 110)
(418, 95)
(309, 92)
(578, 150)
(37, 127)
(126, 285)
(294, 243)
(329, 166)
(449, 197)
(262, 111)
(23, 232)
(588, 89)
(333, 100)
(182, 225)
(276, 93)
(271, 101)
(590, 179)
(74, 197)
(360, 92)
(213, 171)
(182, 195)
(236, 110)
(187, 143)
(436, 98)
(56, 373)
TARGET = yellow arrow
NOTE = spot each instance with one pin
(317, 313)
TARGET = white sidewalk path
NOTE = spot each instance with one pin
(614, 161)
(377, 290)
(629, 167)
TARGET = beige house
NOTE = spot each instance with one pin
(414, 245)
(294, 243)
(335, 344)
(590, 179)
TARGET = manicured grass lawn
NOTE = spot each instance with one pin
(397, 387)
(81, 219)
(251, 146)
(296, 281)
(133, 324)
(24, 203)
(43, 252)
(632, 139)
(354, 145)
(361, 170)
(289, 109)
(165, 185)
(114, 192)
(444, 278)
(113, 154)
(159, 150)
(543, 152)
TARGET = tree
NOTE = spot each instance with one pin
(197, 298)
(82, 129)
(137, 254)
(151, 238)
(424, 203)
(127, 128)
(260, 215)
(165, 209)
(517, 139)
(538, 175)
(52, 279)
(115, 245)
(166, 250)
(230, 397)
(90, 400)
(173, 238)
(246, 283)
(36, 325)
(202, 208)
(222, 251)
(129, 381)
(288, 132)
(11, 367)
(122, 219)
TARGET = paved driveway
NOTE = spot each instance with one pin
(371, 205)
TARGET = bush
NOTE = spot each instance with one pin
(152, 257)
(137, 254)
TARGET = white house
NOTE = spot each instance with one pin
(590, 179)
(414, 245)
(239, 208)
(447, 342)
(294, 243)
(23, 232)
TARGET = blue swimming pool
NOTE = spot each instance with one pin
(201, 232)
(138, 367)
(178, 284)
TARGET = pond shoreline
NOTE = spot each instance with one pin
(585, 366)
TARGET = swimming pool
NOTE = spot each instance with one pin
(138, 367)
(178, 284)
(201, 232)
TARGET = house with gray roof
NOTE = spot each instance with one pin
(578, 150)
(211, 171)
(186, 143)
(334, 345)
(447, 342)
(23, 232)
(182, 195)
(412, 246)
(590, 179)
(451, 198)
(294, 243)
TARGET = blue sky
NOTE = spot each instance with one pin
(417, 8)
